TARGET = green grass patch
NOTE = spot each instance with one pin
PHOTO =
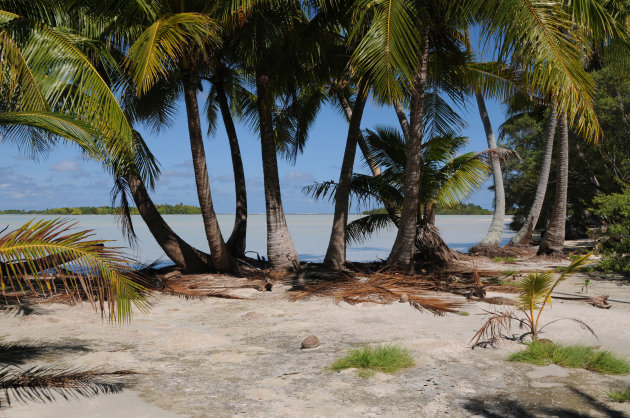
(463, 313)
(368, 360)
(509, 272)
(572, 356)
(620, 395)
(504, 259)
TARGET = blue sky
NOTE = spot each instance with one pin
(64, 178)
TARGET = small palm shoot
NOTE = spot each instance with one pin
(32, 255)
(535, 296)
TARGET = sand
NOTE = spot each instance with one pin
(218, 357)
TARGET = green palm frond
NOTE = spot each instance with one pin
(535, 289)
(162, 46)
(18, 126)
(466, 174)
(361, 229)
(35, 250)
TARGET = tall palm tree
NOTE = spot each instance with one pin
(176, 38)
(524, 235)
(553, 240)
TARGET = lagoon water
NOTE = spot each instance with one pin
(310, 233)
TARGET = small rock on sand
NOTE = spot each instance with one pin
(310, 342)
(404, 298)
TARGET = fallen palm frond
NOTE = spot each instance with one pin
(201, 286)
(378, 288)
(46, 383)
(45, 257)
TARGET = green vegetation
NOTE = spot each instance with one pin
(385, 358)
(463, 313)
(596, 170)
(164, 209)
(504, 259)
(572, 356)
(460, 209)
(615, 245)
(535, 296)
(620, 395)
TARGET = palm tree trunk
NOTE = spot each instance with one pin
(280, 248)
(218, 250)
(369, 158)
(524, 235)
(402, 118)
(187, 258)
(237, 240)
(402, 254)
(493, 237)
(553, 240)
(336, 253)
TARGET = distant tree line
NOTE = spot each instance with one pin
(164, 209)
(461, 209)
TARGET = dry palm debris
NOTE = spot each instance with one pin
(377, 288)
(204, 286)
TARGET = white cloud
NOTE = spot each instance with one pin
(65, 166)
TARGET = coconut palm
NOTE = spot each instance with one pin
(447, 179)
(524, 235)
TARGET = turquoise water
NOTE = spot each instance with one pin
(310, 233)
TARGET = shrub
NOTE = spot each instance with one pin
(572, 356)
(385, 358)
(614, 209)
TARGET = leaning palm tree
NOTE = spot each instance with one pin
(446, 180)
(46, 257)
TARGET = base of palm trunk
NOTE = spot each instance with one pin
(431, 248)
(496, 251)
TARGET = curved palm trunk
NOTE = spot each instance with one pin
(280, 248)
(553, 241)
(237, 240)
(493, 237)
(187, 258)
(402, 253)
(218, 250)
(336, 253)
(524, 235)
(369, 158)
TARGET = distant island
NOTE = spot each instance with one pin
(181, 209)
(461, 209)
(164, 209)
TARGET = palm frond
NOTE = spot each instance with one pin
(535, 288)
(361, 229)
(37, 249)
(162, 45)
(33, 128)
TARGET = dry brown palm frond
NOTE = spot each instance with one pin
(46, 383)
(381, 289)
(499, 323)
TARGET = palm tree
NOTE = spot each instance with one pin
(178, 39)
(446, 180)
(524, 235)
(553, 240)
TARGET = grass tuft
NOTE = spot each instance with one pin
(572, 356)
(504, 259)
(463, 313)
(620, 395)
(385, 358)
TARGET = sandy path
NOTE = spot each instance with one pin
(219, 357)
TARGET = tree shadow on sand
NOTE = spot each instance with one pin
(49, 383)
(498, 406)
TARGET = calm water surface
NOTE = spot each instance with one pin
(310, 233)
